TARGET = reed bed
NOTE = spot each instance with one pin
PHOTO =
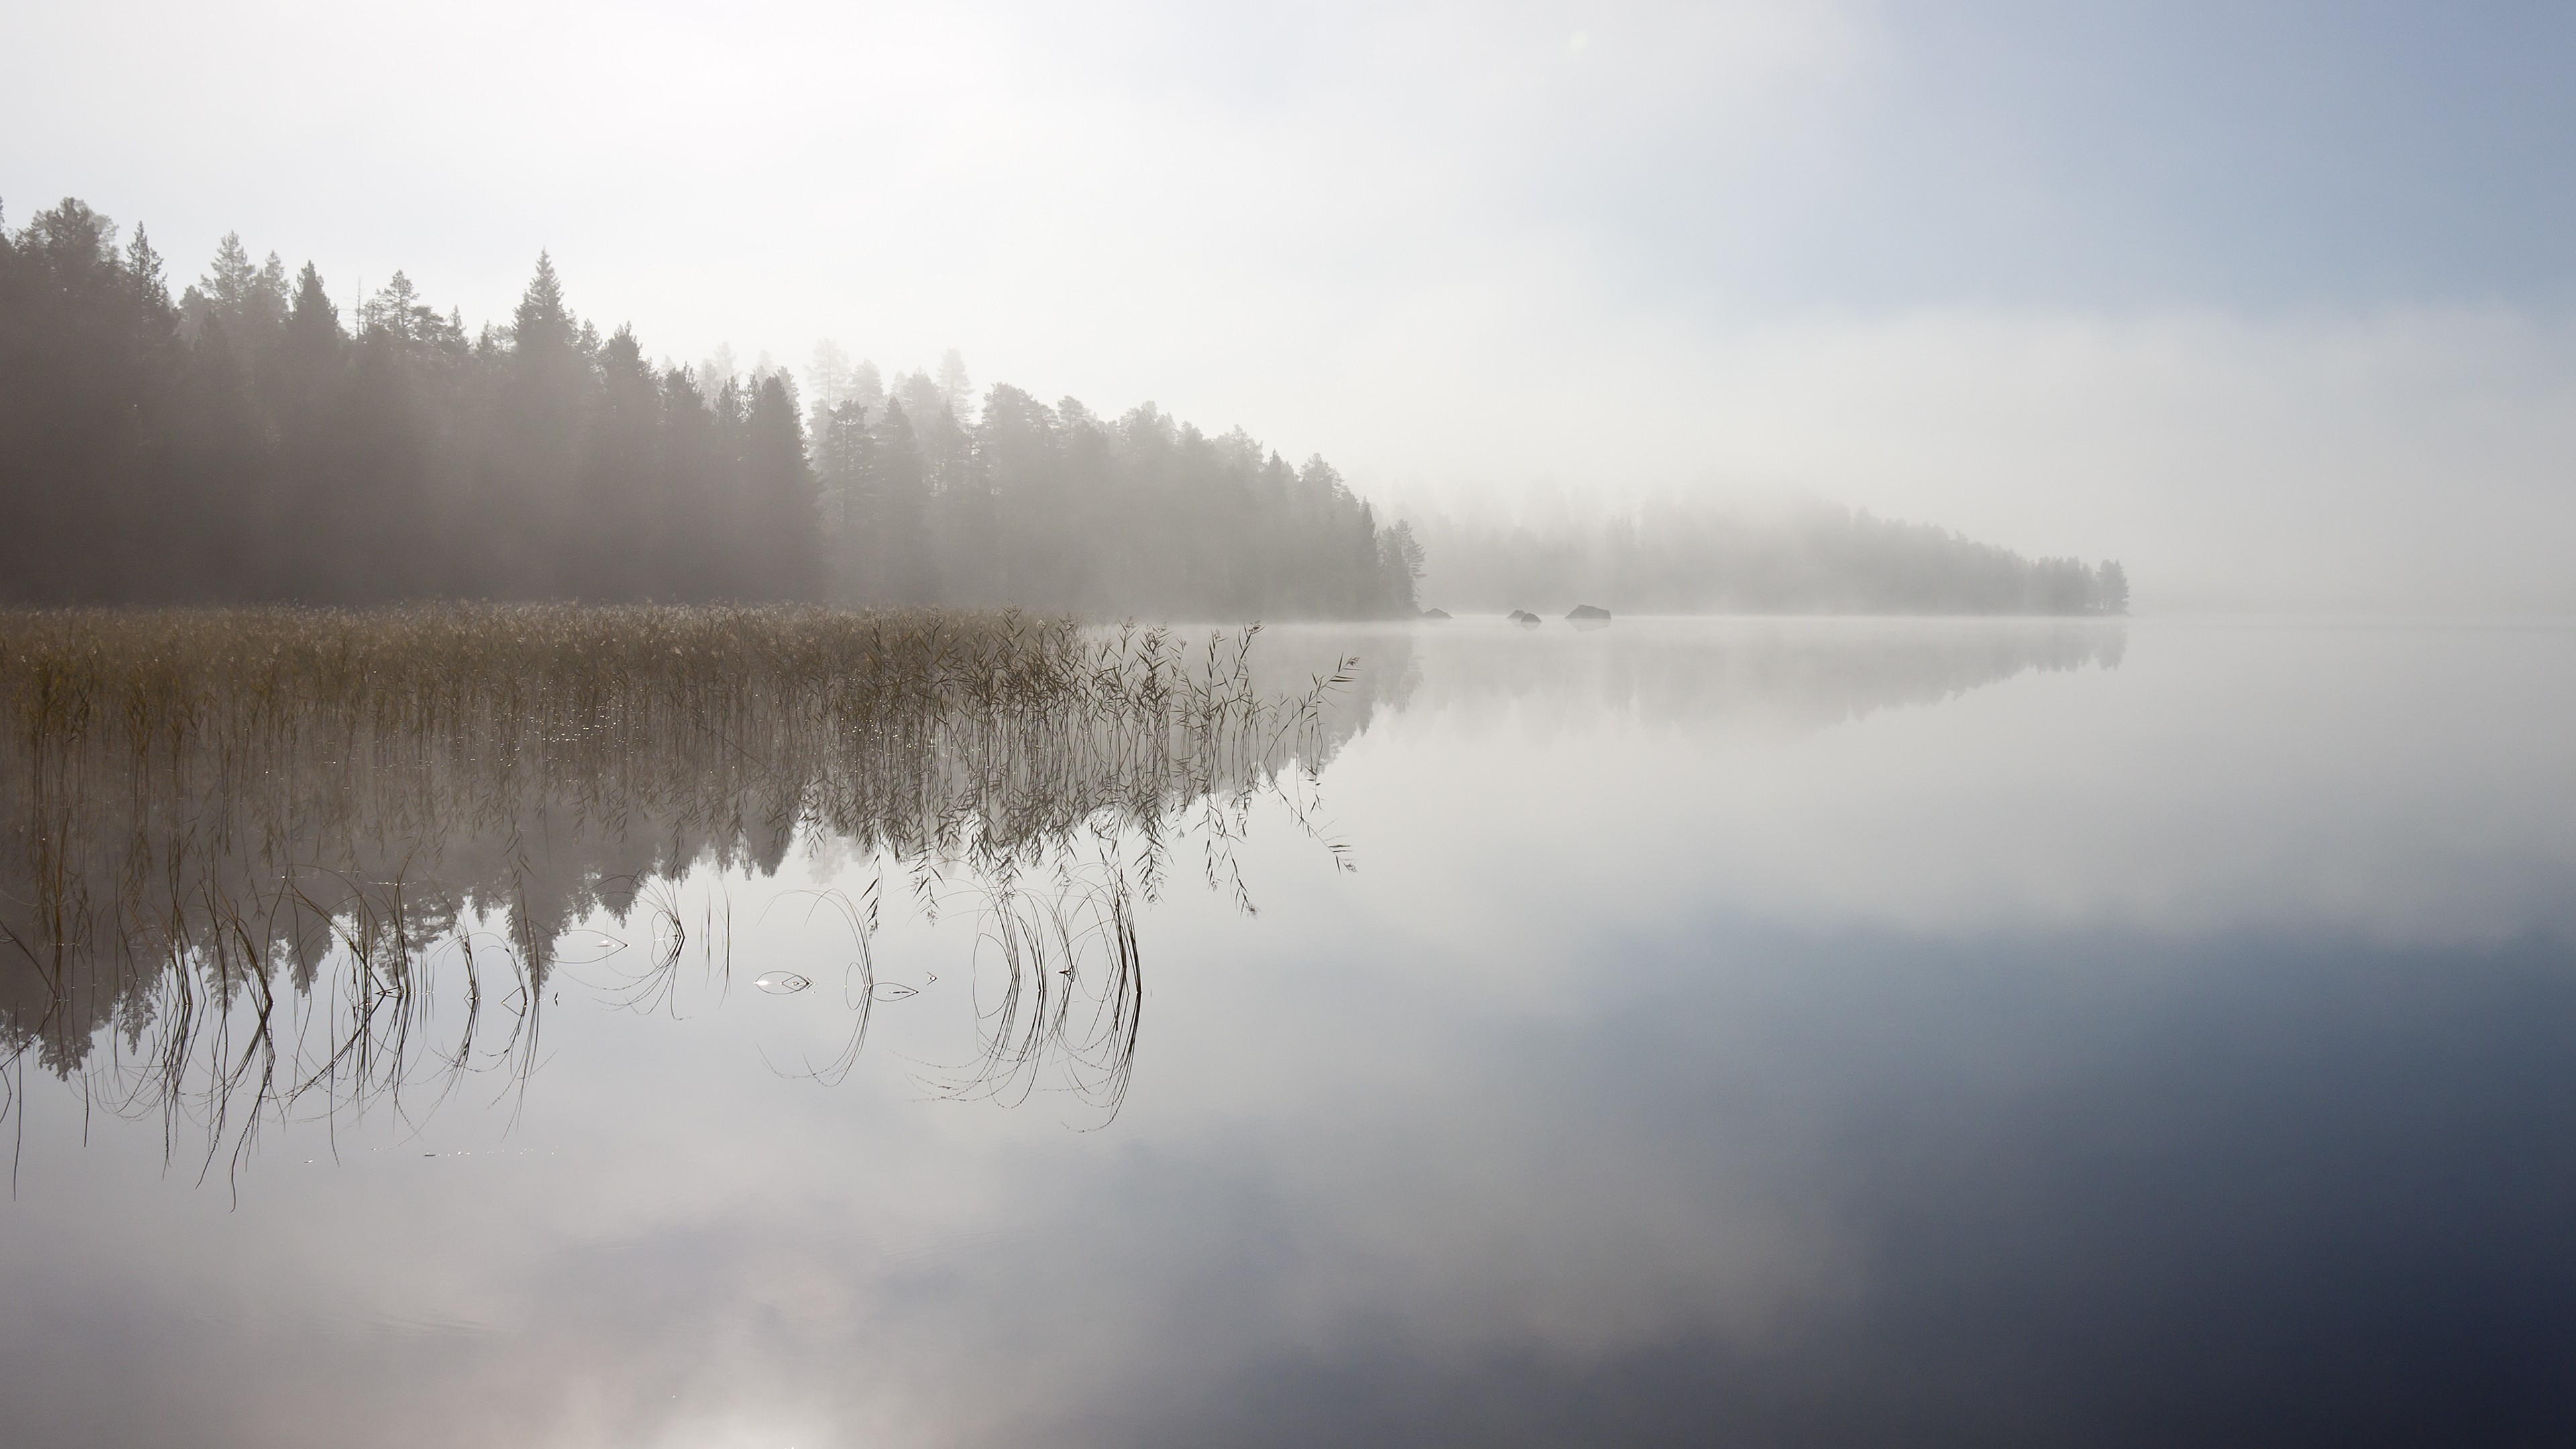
(165, 679)
(227, 822)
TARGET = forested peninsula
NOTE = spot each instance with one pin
(1698, 556)
(245, 441)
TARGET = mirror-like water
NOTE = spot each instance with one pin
(1786, 1032)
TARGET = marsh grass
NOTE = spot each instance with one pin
(246, 843)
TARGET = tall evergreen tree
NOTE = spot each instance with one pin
(955, 388)
(780, 550)
(616, 507)
(689, 515)
(306, 521)
(249, 299)
(85, 370)
(893, 517)
(541, 413)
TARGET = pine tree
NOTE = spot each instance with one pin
(229, 281)
(249, 299)
(955, 388)
(688, 514)
(541, 321)
(305, 511)
(778, 507)
(2111, 594)
(541, 414)
(893, 524)
(617, 513)
(867, 387)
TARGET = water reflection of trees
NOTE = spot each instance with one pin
(1756, 673)
(269, 860)
(266, 860)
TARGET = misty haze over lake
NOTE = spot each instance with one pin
(1964, 1031)
(1773, 722)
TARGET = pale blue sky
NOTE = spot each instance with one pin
(2256, 155)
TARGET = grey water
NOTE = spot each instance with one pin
(1691, 1031)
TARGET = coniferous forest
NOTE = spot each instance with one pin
(252, 439)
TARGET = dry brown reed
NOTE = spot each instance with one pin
(212, 810)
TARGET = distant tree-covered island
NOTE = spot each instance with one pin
(1712, 556)
(246, 441)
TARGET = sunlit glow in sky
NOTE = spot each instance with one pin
(2273, 302)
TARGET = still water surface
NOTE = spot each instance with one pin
(1804, 1032)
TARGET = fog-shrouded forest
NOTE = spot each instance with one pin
(251, 439)
(1680, 555)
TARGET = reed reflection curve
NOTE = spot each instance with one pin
(270, 861)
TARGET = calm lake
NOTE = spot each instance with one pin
(1681, 1032)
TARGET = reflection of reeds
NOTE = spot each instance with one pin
(246, 839)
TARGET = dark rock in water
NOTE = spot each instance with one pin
(1589, 611)
(1435, 613)
(1525, 618)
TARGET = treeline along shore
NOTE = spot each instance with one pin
(244, 441)
(247, 441)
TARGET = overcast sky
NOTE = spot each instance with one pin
(2276, 302)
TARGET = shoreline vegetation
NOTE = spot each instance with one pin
(247, 442)
(270, 860)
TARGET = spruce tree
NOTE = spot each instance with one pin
(778, 507)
